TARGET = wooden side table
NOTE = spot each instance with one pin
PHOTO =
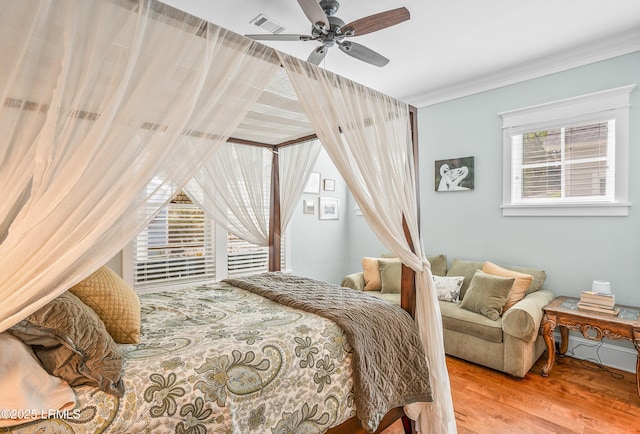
(563, 312)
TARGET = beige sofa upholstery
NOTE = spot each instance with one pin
(510, 344)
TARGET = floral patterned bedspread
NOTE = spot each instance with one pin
(219, 359)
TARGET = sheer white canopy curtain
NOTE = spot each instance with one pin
(99, 100)
(234, 187)
(374, 155)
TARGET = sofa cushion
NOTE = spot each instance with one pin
(438, 264)
(539, 276)
(465, 269)
(371, 271)
(470, 323)
(448, 287)
(520, 285)
(487, 294)
(390, 275)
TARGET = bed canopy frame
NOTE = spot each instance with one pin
(42, 150)
(287, 119)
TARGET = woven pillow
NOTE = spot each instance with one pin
(117, 305)
(520, 286)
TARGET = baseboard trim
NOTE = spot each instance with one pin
(614, 356)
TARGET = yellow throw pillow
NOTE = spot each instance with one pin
(520, 285)
(115, 302)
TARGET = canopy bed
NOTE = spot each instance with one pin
(112, 106)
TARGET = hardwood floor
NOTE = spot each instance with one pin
(577, 397)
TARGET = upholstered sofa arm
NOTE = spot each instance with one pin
(354, 281)
(522, 321)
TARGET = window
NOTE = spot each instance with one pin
(183, 247)
(176, 249)
(568, 157)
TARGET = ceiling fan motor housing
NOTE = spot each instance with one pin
(330, 7)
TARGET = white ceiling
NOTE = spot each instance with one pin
(450, 48)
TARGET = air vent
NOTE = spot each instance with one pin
(267, 23)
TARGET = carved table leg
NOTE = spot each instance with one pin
(564, 340)
(548, 324)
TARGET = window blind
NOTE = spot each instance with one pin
(567, 163)
(176, 249)
(245, 258)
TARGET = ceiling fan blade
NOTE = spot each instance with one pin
(279, 37)
(314, 12)
(376, 22)
(363, 53)
(317, 55)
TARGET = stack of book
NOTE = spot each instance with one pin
(598, 302)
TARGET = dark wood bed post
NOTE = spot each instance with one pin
(407, 286)
(275, 233)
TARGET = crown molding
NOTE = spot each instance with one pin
(595, 51)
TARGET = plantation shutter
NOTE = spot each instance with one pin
(245, 258)
(176, 249)
(564, 164)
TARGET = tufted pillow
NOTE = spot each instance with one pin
(487, 294)
(72, 343)
(448, 287)
(390, 275)
(520, 285)
(371, 272)
(117, 305)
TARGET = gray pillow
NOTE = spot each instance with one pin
(465, 269)
(487, 294)
(438, 264)
(72, 343)
(390, 275)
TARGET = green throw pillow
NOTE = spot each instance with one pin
(487, 294)
(390, 274)
(466, 270)
(438, 264)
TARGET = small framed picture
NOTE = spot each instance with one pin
(309, 206)
(454, 174)
(329, 185)
(328, 209)
(313, 184)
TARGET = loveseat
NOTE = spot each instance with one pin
(497, 326)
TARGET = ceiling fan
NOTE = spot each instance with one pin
(330, 30)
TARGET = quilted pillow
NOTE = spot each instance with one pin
(72, 343)
(448, 287)
(487, 294)
(520, 285)
(117, 305)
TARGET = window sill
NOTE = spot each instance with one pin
(618, 209)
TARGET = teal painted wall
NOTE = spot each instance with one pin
(574, 251)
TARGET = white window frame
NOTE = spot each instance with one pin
(594, 107)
